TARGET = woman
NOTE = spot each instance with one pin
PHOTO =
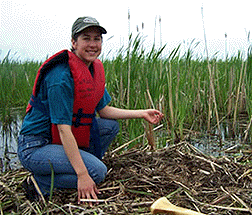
(60, 130)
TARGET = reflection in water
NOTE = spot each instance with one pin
(222, 144)
(8, 146)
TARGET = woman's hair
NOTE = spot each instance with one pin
(75, 37)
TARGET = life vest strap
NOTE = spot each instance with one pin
(79, 115)
(94, 130)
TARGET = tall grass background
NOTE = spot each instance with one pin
(16, 79)
(194, 93)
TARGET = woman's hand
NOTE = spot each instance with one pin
(152, 116)
(86, 188)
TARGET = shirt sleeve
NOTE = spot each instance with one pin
(60, 105)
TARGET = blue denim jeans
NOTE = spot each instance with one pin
(36, 153)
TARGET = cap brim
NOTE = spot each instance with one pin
(103, 30)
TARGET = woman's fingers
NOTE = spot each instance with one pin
(89, 194)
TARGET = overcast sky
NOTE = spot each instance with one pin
(36, 29)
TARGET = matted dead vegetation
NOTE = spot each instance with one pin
(136, 178)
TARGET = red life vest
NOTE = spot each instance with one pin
(88, 91)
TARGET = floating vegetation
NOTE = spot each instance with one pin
(137, 177)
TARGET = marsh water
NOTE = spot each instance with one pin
(8, 147)
(225, 144)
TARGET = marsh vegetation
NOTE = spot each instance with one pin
(195, 94)
(205, 100)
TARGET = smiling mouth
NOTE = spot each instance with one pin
(92, 52)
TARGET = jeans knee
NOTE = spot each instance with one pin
(99, 173)
(115, 127)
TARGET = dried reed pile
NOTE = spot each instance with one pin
(136, 178)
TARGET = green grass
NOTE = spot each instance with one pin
(192, 92)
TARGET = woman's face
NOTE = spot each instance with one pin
(88, 45)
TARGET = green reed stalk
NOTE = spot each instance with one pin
(52, 181)
(169, 81)
(242, 72)
(129, 68)
(248, 86)
(212, 90)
